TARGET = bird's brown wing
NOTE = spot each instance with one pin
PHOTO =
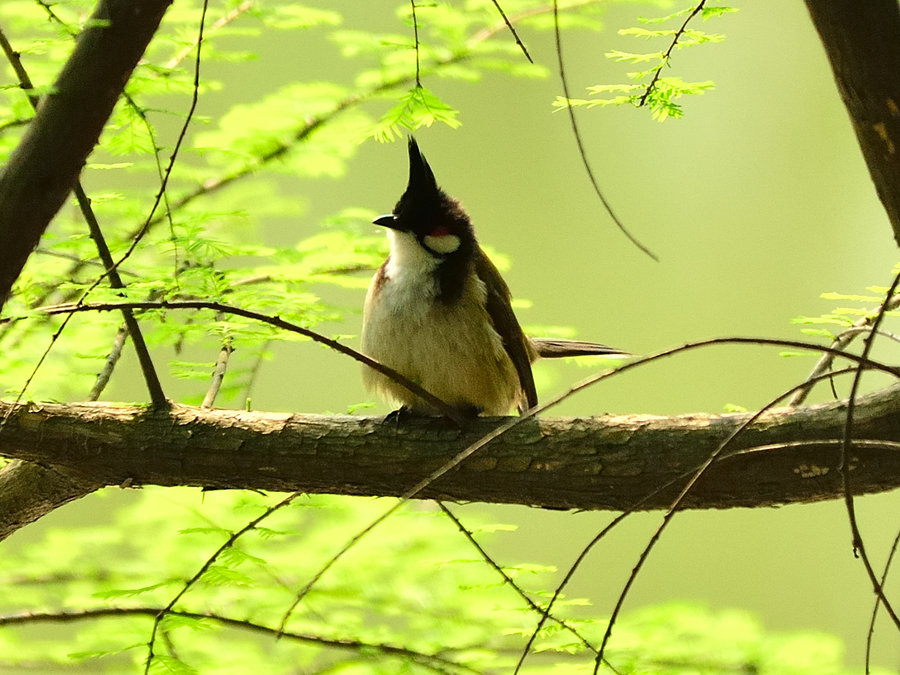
(507, 326)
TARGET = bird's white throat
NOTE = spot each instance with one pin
(409, 261)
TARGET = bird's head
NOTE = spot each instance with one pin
(426, 212)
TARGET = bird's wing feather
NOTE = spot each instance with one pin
(507, 326)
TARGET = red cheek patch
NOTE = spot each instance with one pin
(439, 231)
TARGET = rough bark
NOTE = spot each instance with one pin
(29, 491)
(607, 462)
(39, 175)
(862, 41)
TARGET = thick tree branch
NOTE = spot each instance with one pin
(29, 491)
(862, 41)
(606, 462)
(36, 180)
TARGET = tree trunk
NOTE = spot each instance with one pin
(862, 41)
(40, 173)
(607, 462)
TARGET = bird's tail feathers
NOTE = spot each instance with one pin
(552, 348)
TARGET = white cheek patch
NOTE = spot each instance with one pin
(447, 243)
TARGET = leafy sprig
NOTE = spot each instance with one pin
(648, 87)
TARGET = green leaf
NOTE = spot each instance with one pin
(645, 33)
(417, 108)
(868, 299)
(631, 57)
(710, 12)
(668, 17)
(294, 17)
(222, 575)
(112, 594)
(818, 332)
(170, 665)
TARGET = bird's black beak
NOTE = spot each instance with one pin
(389, 220)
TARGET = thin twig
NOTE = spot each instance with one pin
(151, 378)
(664, 61)
(819, 443)
(219, 23)
(454, 462)
(509, 580)
(840, 342)
(254, 373)
(53, 16)
(203, 568)
(884, 573)
(12, 124)
(275, 321)
(512, 29)
(218, 372)
(71, 257)
(412, 4)
(490, 31)
(75, 308)
(573, 122)
(584, 552)
(112, 359)
(545, 614)
(436, 662)
(675, 505)
(856, 536)
(167, 209)
(182, 134)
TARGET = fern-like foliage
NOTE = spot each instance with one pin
(414, 600)
(648, 87)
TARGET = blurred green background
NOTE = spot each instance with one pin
(756, 202)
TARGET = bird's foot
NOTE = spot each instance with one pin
(405, 414)
(401, 414)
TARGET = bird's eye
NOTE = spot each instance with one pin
(439, 231)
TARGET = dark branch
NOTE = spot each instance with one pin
(512, 29)
(41, 171)
(154, 387)
(576, 132)
(433, 661)
(277, 322)
(862, 41)
(664, 61)
(29, 492)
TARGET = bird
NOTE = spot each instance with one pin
(438, 312)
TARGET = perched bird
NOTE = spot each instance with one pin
(439, 312)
